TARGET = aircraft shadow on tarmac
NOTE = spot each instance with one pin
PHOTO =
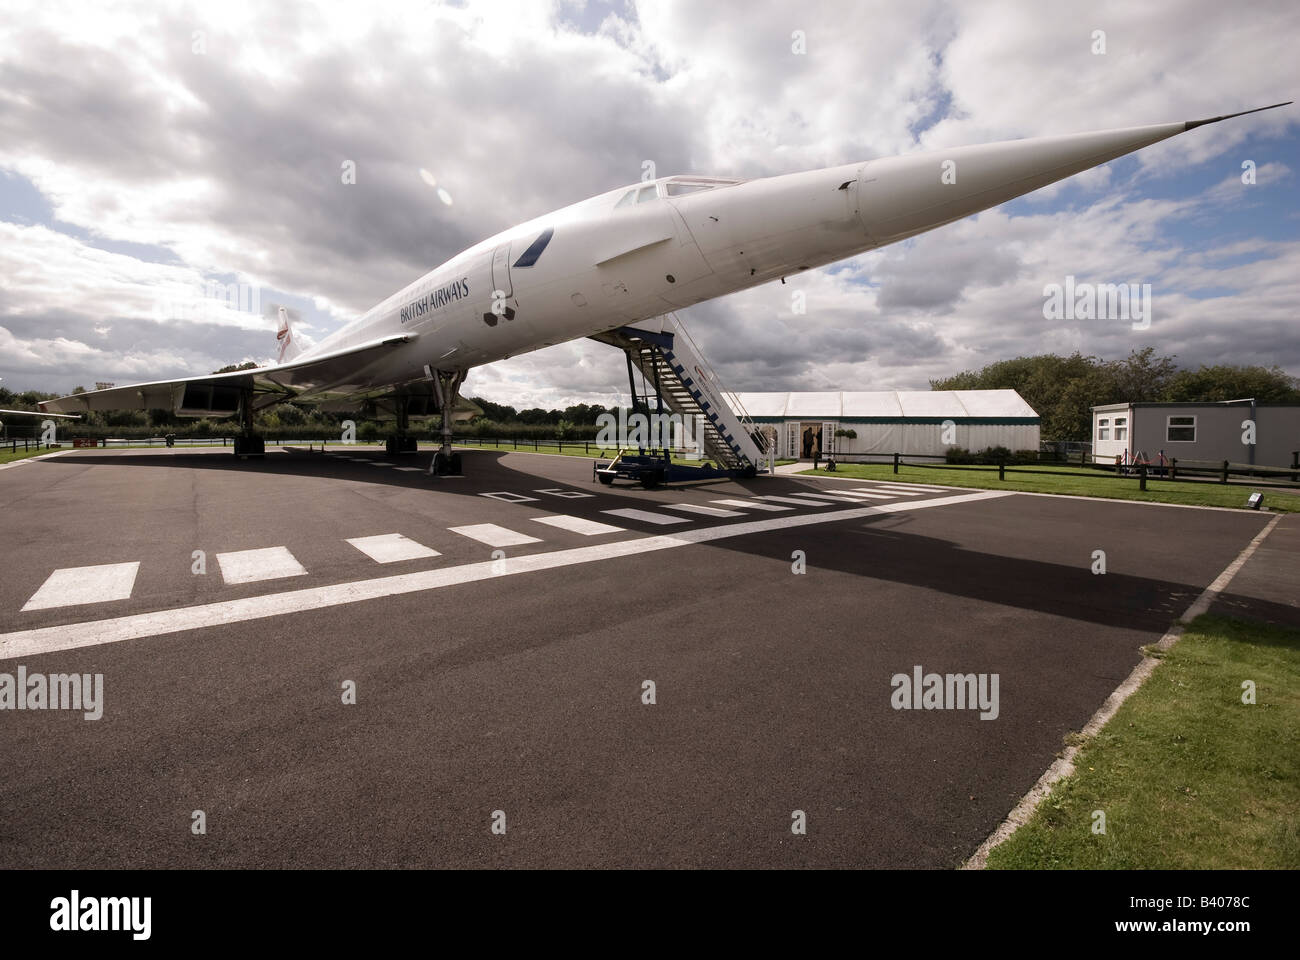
(876, 547)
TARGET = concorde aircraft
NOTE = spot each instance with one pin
(614, 260)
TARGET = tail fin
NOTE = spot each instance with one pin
(288, 347)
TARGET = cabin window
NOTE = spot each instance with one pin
(646, 194)
(1180, 430)
(626, 200)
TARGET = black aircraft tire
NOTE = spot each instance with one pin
(454, 465)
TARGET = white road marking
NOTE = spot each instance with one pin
(588, 528)
(76, 585)
(566, 494)
(646, 516)
(860, 495)
(493, 535)
(706, 511)
(751, 505)
(379, 463)
(23, 643)
(269, 563)
(801, 503)
(825, 496)
(925, 488)
(508, 497)
(392, 547)
(410, 469)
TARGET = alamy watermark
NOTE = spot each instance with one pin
(948, 691)
(639, 431)
(57, 691)
(206, 301)
(1098, 301)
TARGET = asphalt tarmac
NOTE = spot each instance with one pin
(499, 630)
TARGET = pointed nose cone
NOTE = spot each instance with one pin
(903, 196)
(900, 197)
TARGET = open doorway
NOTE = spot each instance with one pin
(810, 440)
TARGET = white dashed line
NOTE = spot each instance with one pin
(72, 636)
(798, 503)
(646, 516)
(891, 485)
(588, 528)
(71, 586)
(392, 547)
(706, 511)
(493, 535)
(507, 497)
(807, 497)
(752, 505)
(411, 469)
(269, 563)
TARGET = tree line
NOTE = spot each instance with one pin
(1063, 390)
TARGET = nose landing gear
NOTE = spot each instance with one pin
(446, 462)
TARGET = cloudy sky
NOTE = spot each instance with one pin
(147, 149)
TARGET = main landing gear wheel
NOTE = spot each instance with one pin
(454, 465)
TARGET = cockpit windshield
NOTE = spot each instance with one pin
(681, 186)
(673, 187)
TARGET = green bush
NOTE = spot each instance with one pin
(995, 455)
(958, 455)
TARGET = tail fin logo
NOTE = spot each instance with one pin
(285, 335)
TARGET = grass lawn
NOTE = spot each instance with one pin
(1187, 775)
(1102, 485)
(8, 456)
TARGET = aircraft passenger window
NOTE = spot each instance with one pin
(626, 200)
(647, 193)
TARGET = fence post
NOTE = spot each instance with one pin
(1002, 471)
(1295, 464)
(1225, 472)
(896, 463)
(1173, 468)
(1142, 476)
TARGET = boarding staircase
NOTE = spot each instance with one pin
(670, 361)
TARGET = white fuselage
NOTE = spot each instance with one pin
(648, 248)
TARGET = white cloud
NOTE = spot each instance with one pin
(231, 159)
